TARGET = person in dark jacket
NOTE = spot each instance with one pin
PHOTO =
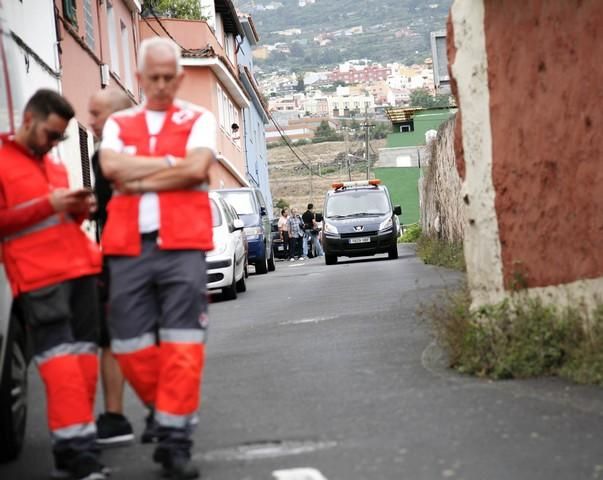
(112, 426)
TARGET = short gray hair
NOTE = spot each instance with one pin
(158, 42)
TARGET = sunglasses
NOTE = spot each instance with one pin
(56, 136)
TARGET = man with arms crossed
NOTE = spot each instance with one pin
(159, 225)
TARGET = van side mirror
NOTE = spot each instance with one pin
(263, 211)
(238, 224)
(319, 217)
(397, 210)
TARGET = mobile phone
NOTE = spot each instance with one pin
(82, 192)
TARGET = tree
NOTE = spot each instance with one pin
(187, 9)
(296, 50)
(421, 97)
(324, 130)
(281, 203)
(301, 86)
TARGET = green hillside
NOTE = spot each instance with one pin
(393, 30)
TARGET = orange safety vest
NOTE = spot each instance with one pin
(184, 215)
(50, 251)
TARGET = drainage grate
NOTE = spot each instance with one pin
(263, 450)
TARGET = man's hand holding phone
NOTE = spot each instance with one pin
(78, 202)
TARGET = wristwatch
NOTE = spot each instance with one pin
(170, 160)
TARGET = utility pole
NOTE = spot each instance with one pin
(311, 185)
(347, 153)
(367, 126)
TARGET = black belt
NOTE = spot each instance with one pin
(149, 236)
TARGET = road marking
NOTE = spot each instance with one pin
(309, 320)
(298, 474)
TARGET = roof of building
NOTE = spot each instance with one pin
(230, 17)
(401, 114)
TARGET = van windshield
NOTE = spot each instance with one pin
(357, 203)
(241, 201)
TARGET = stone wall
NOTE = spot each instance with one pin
(527, 79)
(442, 213)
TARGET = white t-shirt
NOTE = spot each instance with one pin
(203, 135)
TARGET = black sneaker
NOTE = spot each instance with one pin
(176, 465)
(113, 429)
(84, 467)
(151, 429)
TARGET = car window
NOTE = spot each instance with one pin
(241, 201)
(349, 203)
(261, 199)
(215, 214)
(233, 212)
(228, 212)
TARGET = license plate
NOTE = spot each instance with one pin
(360, 240)
(280, 248)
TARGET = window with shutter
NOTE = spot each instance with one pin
(70, 11)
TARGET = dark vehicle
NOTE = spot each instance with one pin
(15, 353)
(280, 249)
(251, 207)
(359, 219)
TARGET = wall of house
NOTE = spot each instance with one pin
(200, 86)
(81, 61)
(34, 25)
(532, 180)
(256, 153)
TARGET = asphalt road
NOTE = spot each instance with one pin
(327, 372)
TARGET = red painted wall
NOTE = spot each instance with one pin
(546, 99)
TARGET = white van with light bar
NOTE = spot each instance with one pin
(358, 220)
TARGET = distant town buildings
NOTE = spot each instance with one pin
(346, 91)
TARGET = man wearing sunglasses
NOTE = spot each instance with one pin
(51, 266)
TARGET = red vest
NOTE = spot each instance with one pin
(52, 250)
(185, 215)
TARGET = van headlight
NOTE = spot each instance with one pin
(331, 229)
(252, 233)
(386, 224)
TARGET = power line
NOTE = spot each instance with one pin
(158, 20)
(290, 146)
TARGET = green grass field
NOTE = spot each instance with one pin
(404, 190)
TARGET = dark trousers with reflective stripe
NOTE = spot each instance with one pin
(157, 323)
(62, 320)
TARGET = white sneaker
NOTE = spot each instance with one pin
(292, 259)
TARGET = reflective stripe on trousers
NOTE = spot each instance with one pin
(176, 365)
(69, 392)
(74, 431)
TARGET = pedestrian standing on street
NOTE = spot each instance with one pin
(295, 227)
(159, 226)
(113, 428)
(311, 232)
(52, 267)
(283, 231)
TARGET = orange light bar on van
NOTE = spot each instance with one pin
(358, 183)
